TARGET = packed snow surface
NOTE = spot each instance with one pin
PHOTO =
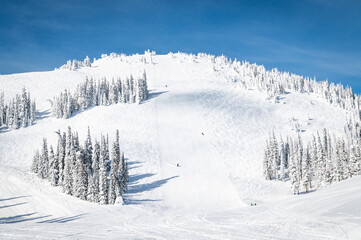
(196, 117)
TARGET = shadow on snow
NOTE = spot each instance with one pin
(135, 188)
(12, 198)
(32, 216)
(138, 188)
(152, 94)
(43, 114)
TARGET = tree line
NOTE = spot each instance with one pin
(321, 162)
(247, 75)
(86, 171)
(102, 92)
(18, 112)
(274, 82)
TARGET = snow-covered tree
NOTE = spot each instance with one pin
(123, 171)
(274, 152)
(306, 174)
(355, 159)
(267, 173)
(81, 177)
(103, 182)
(283, 160)
(69, 166)
(43, 167)
(93, 189)
(88, 151)
(60, 153)
(36, 162)
(53, 167)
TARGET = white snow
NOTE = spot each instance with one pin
(202, 121)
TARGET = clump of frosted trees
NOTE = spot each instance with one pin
(86, 171)
(18, 112)
(321, 162)
(95, 93)
(275, 82)
(146, 58)
(75, 64)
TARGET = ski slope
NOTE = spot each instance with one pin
(195, 117)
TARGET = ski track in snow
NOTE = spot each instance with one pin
(213, 130)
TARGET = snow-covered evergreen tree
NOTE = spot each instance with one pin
(266, 163)
(93, 177)
(337, 170)
(53, 167)
(93, 190)
(60, 152)
(306, 175)
(321, 160)
(36, 162)
(294, 176)
(81, 177)
(68, 164)
(274, 156)
(119, 170)
(283, 160)
(88, 153)
(123, 167)
(43, 167)
(103, 182)
(355, 159)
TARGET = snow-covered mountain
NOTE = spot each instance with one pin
(205, 114)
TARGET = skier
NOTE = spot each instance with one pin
(203, 134)
(178, 165)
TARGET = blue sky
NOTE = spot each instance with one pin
(319, 38)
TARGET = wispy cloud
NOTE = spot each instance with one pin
(276, 51)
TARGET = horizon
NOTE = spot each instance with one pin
(310, 38)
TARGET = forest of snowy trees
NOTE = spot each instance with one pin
(275, 82)
(247, 75)
(19, 112)
(86, 171)
(318, 163)
(95, 93)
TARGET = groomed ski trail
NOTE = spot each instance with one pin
(200, 183)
